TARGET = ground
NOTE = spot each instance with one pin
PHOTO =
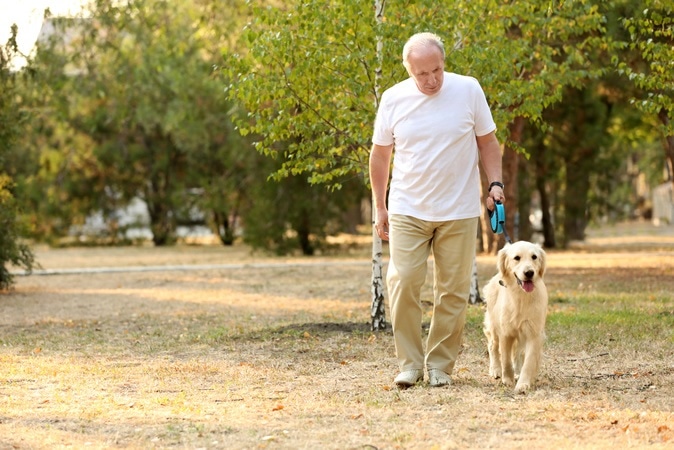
(203, 346)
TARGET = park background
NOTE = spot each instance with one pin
(242, 130)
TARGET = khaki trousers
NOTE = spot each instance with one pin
(411, 241)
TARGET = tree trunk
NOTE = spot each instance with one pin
(525, 192)
(510, 166)
(377, 311)
(223, 228)
(161, 220)
(304, 235)
(475, 297)
(669, 144)
(541, 176)
(547, 224)
(575, 200)
(161, 224)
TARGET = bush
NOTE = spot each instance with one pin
(11, 249)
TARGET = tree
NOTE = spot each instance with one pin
(582, 157)
(651, 32)
(531, 52)
(288, 214)
(12, 250)
(580, 140)
(303, 81)
(378, 308)
(143, 89)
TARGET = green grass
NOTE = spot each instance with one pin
(608, 320)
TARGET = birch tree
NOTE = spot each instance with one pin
(378, 308)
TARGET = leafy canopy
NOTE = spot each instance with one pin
(308, 79)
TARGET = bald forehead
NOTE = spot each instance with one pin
(423, 44)
(425, 50)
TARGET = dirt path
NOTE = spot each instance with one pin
(244, 351)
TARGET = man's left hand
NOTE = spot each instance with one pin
(495, 195)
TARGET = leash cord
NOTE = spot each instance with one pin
(505, 235)
(498, 222)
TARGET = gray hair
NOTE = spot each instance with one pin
(421, 40)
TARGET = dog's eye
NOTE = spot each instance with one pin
(517, 258)
(534, 257)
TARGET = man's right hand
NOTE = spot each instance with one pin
(381, 224)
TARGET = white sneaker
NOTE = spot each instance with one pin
(409, 378)
(437, 378)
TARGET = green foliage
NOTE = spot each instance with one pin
(307, 83)
(142, 113)
(288, 214)
(651, 38)
(593, 139)
(12, 250)
(526, 53)
(308, 80)
(132, 105)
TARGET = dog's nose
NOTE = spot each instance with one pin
(529, 274)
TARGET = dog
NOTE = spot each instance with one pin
(514, 321)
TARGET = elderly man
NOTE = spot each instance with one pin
(440, 126)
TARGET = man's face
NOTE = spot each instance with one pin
(427, 68)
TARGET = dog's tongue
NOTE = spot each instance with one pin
(528, 286)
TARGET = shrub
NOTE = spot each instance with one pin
(11, 249)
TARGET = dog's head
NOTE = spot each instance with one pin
(522, 262)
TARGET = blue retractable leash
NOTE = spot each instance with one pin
(497, 218)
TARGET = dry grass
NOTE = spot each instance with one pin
(271, 353)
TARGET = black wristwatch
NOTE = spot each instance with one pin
(496, 183)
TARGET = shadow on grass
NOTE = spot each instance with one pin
(304, 331)
(321, 328)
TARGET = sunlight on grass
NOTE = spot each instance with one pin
(283, 357)
(602, 319)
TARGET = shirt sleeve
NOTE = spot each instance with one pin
(484, 122)
(383, 134)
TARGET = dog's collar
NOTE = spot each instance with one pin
(519, 282)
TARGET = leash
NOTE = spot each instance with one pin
(497, 219)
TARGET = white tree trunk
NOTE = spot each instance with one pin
(378, 311)
(475, 297)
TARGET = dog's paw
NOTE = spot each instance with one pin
(508, 381)
(522, 388)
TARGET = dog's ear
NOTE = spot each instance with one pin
(502, 261)
(543, 257)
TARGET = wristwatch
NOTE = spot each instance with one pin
(495, 183)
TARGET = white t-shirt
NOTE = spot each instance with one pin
(435, 169)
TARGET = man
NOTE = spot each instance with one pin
(440, 126)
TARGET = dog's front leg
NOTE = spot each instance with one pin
(506, 349)
(518, 356)
(532, 360)
(494, 355)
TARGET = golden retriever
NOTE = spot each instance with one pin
(514, 322)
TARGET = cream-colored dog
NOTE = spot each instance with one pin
(514, 323)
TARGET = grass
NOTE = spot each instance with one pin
(281, 356)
